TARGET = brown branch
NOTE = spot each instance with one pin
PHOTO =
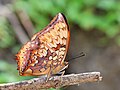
(54, 82)
(26, 22)
(12, 18)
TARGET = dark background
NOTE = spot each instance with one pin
(95, 30)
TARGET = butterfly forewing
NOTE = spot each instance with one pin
(46, 51)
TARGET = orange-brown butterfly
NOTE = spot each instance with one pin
(45, 53)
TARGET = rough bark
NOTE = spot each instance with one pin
(53, 82)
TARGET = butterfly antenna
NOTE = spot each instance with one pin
(80, 55)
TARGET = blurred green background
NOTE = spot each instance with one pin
(95, 30)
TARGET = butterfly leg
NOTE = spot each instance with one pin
(63, 70)
(62, 73)
(49, 74)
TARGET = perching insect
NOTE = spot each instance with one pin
(45, 53)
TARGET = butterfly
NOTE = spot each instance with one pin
(45, 53)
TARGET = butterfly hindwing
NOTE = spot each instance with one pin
(46, 51)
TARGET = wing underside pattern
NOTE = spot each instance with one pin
(46, 52)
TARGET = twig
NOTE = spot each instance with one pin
(54, 82)
(12, 18)
(26, 22)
